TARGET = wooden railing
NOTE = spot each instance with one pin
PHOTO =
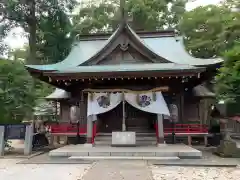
(178, 128)
(185, 128)
(66, 128)
(71, 129)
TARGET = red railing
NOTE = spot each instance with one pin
(187, 128)
(67, 128)
(184, 128)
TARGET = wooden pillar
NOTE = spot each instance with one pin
(83, 109)
(124, 116)
(89, 129)
(160, 138)
(180, 98)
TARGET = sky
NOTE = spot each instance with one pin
(16, 37)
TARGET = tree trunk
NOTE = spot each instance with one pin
(32, 25)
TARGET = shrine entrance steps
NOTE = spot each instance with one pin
(142, 139)
(164, 152)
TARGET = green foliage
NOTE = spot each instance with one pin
(147, 15)
(45, 21)
(54, 38)
(17, 95)
(210, 30)
(228, 79)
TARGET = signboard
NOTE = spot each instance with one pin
(15, 131)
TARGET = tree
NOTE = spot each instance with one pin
(227, 82)
(27, 14)
(17, 95)
(210, 30)
(54, 37)
(147, 15)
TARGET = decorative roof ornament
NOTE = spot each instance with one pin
(123, 16)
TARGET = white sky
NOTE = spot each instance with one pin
(17, 40)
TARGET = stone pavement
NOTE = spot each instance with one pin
(194, 173)
(119, 170)
(10, 170)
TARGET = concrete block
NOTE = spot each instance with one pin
(87, 145)
(121, 154)
(144, 154)
(190, 154)
(99, 154)
(161, 158)
(124, 138)
(166, 154)
(105, 158)
(161, 145)
(75, 153)
(58, 154)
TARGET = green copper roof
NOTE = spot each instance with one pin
(80, 53)
(172, 48)
(129, 68)
(58, 94)
(169, 48)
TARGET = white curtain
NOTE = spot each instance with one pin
(98, 102)
(158, 106)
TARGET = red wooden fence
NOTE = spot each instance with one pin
(187, 128)
(178, 128)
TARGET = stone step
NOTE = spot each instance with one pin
(122, 158)
(104, 143)
(140, 134)
(107, 138)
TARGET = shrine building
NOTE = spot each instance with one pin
(130, 81)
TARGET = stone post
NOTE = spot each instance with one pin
(28, 140)
(89, 130)
(160, 138)
(2, 142)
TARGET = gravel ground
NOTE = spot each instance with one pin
(194, 173)
(117, 170)
(10, 170)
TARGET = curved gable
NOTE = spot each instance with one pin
(125, 40)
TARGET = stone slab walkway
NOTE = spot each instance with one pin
(194, 173)
(11, 170)
(119, 170)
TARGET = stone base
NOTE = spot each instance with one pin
(124, 139)
(122, 158)
(178, 150)
(228, 148)
(161, 145)
(88, 145)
